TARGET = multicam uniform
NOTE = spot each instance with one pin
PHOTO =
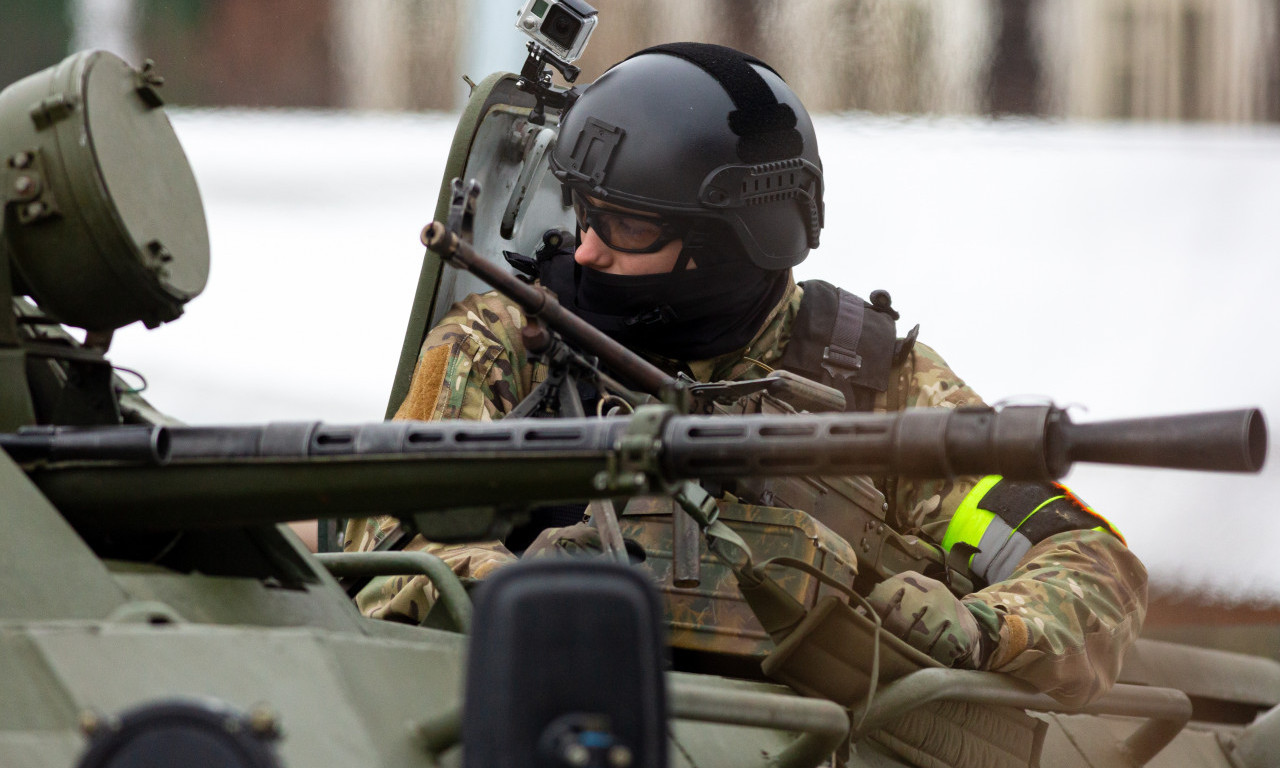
(1063, 617)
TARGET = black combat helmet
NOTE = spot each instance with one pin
(701, 132)
(716, 144)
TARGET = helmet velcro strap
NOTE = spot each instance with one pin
(766, 127)
(766, 132)
(762, 118)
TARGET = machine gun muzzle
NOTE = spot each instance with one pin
(1230, 441)
(1020, 442)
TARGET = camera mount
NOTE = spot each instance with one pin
(535, 78)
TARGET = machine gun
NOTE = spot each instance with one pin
(228, 476)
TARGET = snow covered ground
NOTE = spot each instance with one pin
(1131, 269)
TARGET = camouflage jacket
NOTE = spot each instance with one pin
(1066, 615)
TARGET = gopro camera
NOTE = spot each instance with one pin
(561, 26)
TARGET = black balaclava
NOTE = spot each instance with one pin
(691, 314)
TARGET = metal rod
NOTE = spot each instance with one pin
(605, 519)
(686, 550)
(539, 302)
(1167, 709)
(453, 596)
(823, 724)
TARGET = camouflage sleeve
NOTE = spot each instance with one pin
(1067, 614)
(473, 365)
(1076, 601)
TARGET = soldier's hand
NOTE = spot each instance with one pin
(924, 612)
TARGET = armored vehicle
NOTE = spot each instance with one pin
(157, 611)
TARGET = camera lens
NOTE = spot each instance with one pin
(561, 26)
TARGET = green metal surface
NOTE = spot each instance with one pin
(221, 494)
(47, 570)
(107, 226)
(1204, 672)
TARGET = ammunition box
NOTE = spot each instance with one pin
(713, 617)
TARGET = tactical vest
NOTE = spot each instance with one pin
(842, 341)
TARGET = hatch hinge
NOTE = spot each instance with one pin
(25, 187)
(53, 108)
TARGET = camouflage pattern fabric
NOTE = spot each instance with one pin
(409, 598)
(713, 616)
(923, 612)
(1065, 616)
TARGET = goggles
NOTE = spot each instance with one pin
(622, 231)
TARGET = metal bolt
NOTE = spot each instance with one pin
(263, 722)
(619, 756)
(577, 755)
(35, 209)
(24, 185)
(21, 160)
(90, 723)
(866, 546)
(884, 506)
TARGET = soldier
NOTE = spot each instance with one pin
(696, 181)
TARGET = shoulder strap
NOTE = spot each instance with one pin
(844, 342)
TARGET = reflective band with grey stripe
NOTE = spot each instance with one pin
(999, 552)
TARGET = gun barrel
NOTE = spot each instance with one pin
(540, 303)
(1019, 442)
(48, 443)
(1231, 441)
(222, 476)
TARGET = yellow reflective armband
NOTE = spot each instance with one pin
(1002, 520)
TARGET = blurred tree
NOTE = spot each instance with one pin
(1015, 69)
(743, 24)
(240, 52)
(105, 25)
(1143, 59)
(396, 54)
